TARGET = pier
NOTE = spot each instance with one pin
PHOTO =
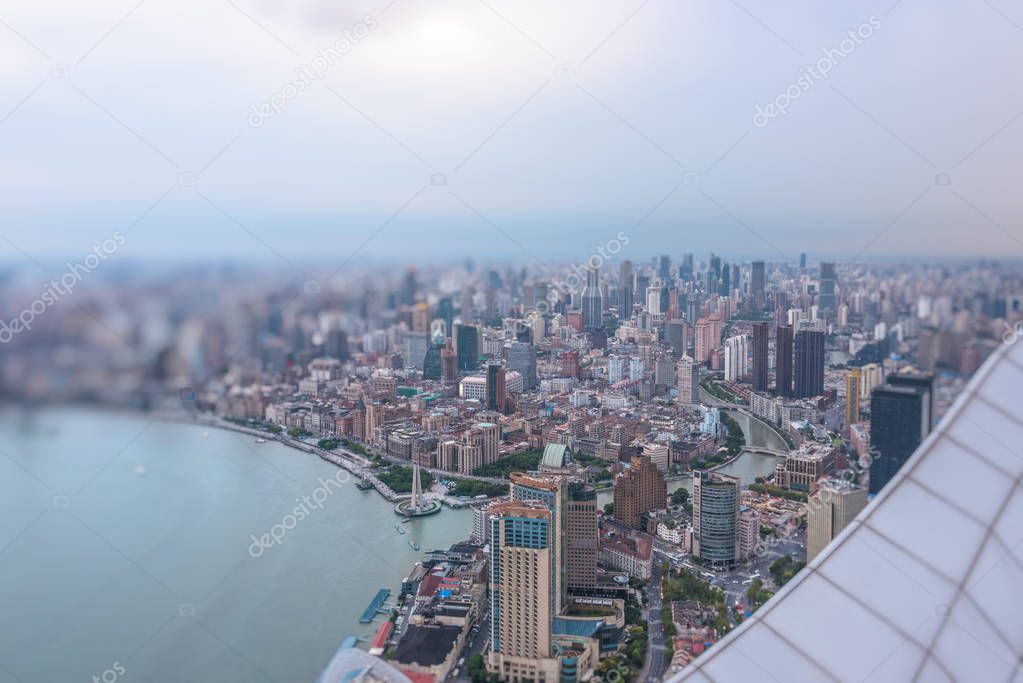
(374, 605)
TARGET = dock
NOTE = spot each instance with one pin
(374, 605)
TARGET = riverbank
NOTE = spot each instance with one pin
(356, 464)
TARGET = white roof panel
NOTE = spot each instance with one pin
(924, 584)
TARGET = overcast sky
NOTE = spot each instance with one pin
(551, 128)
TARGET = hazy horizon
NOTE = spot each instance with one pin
(551, 126)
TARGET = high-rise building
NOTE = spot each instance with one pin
(414, 348)
(708, 336)
(521, 358)
(900, 419)
(687, 377)
(480, 525)
(833, 505)
(467, 347)
(761, 332)
(551, 492)
(757, 285)
(432, 364)
(852, 397)
(581, 537)
(495, 387)
(449, 364)
(638, 490)
(809, 363)
(924, 383)
(783, 361)
(871, 375)
(446, 312)
(826, 298)
(626, 292)
(736, 357)
(715, 517)
(676, 333)
(523, 591)
(592, 300)
(749, 532)
(421, 317)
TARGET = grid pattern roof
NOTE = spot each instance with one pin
(924, 585)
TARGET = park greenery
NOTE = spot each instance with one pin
(784, 568)
(757, 595)
(399, 478)
(517, 462)
(772, 490)
(470, 488)
(681, 584)
(328, 444)
(681, 497)
(734, 442)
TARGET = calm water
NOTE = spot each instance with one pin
(146, 563)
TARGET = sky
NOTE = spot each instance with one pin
(516, 130)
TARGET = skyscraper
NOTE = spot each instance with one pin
(521, 358)
(715, 517)
(852, 397)
(826, 298)
(736, 357)
(626, 291)
(638, 490)
(833, 505)
(760, 344)
(757, 284)
(783, 361)
(467, 347)
(676, 333)
(581, 537)
(495, 387)
(900, 419)
(551, 492)
(522, 591)
(592, 300)
(809, 363)
(687, 377)
(432, 365)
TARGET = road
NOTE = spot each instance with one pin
(655, 664)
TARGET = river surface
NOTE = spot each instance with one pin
(126, 545)
(747, 467)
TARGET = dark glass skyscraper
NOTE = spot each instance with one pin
(626, 293)
(809, 363)
(592, 300)
(900, 419)
(783, 361)
(432, 366)
(761, 332)
(495, 387)
(826, 299)
(467, 347)
(757, 283)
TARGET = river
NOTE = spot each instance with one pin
(747, 467)
(126, 545)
